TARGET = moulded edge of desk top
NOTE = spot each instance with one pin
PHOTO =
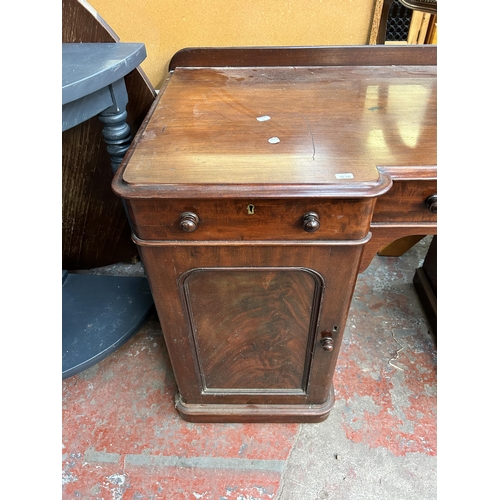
(255, 191)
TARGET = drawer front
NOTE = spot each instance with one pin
(237, 219)
(406, 202)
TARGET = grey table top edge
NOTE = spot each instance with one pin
(88, 67)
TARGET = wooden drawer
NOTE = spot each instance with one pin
(240, 219)
(406, 202)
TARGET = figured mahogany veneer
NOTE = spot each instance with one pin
(261, 182)
(276, 281)
(412, 187)
(271, 219)
(274, 310)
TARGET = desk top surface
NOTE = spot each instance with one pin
(308, 129)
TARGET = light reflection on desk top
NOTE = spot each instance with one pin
(287, 125)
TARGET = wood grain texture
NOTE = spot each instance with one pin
(327, 128)
(400, 246)
(357, 134)
(95, 231)
(271, 219)
(251, 327)
(255, 413)
(303, 56)
(382, 234)
(331, 122)
(405, 202)
(166, 263)
(401, 215)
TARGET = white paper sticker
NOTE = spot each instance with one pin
(344, 176)
(263, 118)
(273, 140)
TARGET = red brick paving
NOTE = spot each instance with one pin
(123, 407)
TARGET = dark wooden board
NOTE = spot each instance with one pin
(304, 56)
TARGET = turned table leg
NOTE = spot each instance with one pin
(116, 131)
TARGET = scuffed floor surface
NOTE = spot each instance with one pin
(123, 440)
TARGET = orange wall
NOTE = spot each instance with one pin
(166, 26)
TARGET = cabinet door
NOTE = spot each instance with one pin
(243, 322)
(252, 328)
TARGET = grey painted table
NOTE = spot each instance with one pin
(93, 84)
(100, 313)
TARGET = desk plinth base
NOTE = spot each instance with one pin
(261, 413)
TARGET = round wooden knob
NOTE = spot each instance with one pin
(432, 203)
(327, 343)
(189, 222)
(310, 222)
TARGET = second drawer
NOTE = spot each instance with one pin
(406, 201)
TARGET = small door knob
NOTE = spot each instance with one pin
(432, 203)
(310, 222)
(189, 222)
(327, 343)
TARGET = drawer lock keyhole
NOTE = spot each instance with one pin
(251, 209)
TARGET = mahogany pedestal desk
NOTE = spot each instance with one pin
(261, 182)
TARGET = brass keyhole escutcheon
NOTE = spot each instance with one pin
(251, 209)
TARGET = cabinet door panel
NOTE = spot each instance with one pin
(253, 328)
(234, 308)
